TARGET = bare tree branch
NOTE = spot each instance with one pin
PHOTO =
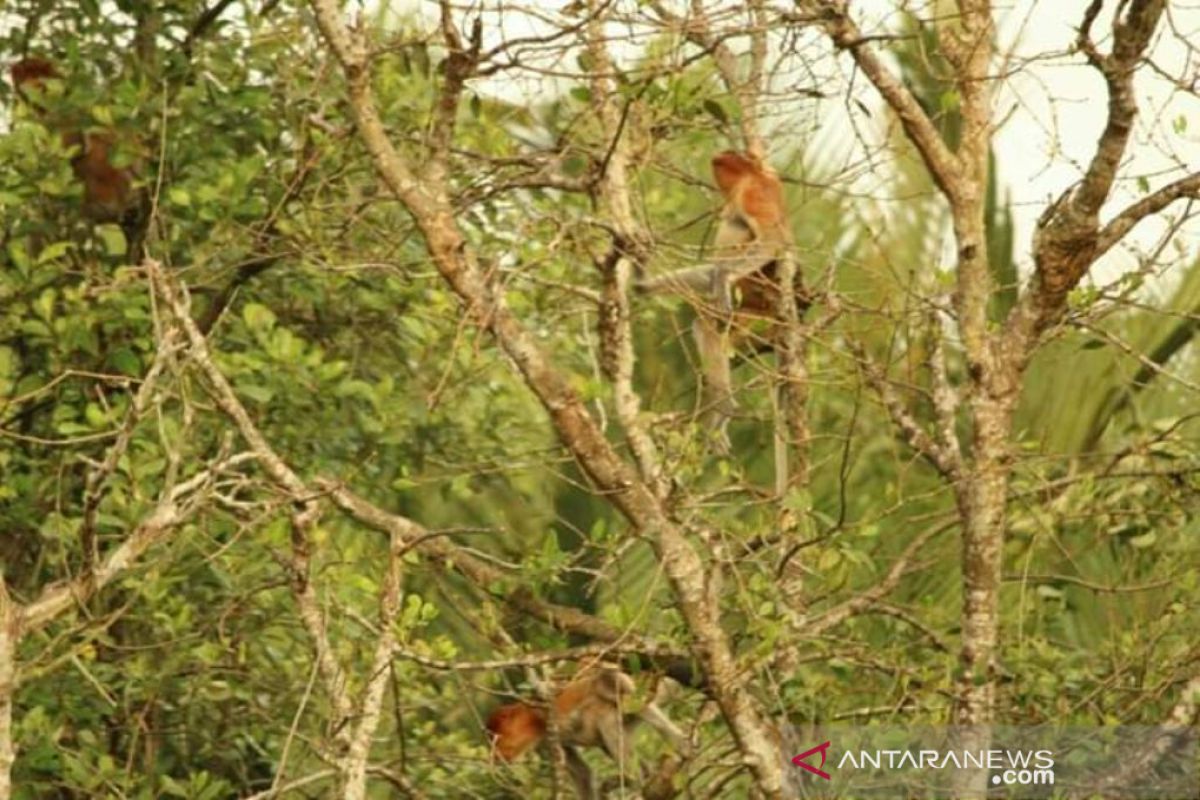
(353, 775)
(943, 458)
(835, 616)
(303, 519)
(98, 475)
(629, 251)
(945, 399)
(698, 602)
(942, 164)
(1068, 239)
(412, 534)
(697, 27)
(168, 513)
(10, 637)
(460, 65)
(1156, 201)
(520, 597)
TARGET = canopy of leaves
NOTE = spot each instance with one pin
(193, 674)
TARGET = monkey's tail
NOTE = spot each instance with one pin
(687, 282)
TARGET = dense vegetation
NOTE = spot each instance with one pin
(239, 646)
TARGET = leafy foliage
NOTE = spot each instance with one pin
(193, 675)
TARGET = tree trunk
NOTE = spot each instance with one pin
(982, 506)
(8, 684)
(982, 499)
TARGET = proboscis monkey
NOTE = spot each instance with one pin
(590, 711)
(32, 73)
(108, 191)
(740, 285)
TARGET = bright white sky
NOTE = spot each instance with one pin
(1052, 110)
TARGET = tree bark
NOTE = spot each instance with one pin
(9, 637)
(982, 500)
(425, 195)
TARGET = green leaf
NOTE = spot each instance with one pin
(260, 394)
(95, 416)
(1144, 541)
(19, 255)
(113, 239)
(716, 110)
(173, 787)
(125, 361)
(285, 346)
(35, 327)
(53, 252)
(355, 388)
(798, 500)
(258, 317)
(44, 305)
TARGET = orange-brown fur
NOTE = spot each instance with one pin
(754, 213)
(740, 286)
(590, 711)
(107, 190)
(752, 191)
(31, 73)
(516, 727)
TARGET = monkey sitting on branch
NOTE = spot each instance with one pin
(741, 285)
(593, 710)
(109, 192)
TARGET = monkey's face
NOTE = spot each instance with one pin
(729, 168)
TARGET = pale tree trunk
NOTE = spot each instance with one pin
(983, 492)
(981, 498)
(961, 175)
(8, 685)
(982, 501)
(629, 250)
(56, 599)
(354, 767)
